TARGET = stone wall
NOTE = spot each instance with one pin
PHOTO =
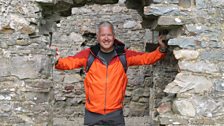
(197, 89)
(188, 91)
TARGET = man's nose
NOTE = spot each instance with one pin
(106, 37)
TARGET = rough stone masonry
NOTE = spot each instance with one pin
(185, 88)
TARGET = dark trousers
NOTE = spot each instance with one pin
(112, 119)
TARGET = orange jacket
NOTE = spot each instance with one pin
(105, 85)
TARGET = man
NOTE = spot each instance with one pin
(106, 79)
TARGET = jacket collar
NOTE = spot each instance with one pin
(118, 46)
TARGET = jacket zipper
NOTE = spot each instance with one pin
(105, 99)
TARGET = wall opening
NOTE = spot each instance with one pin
(161, 73)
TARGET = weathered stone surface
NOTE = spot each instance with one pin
(81, 10)
(38, 85)
(72, 78)
(166, 1)
(167, 22)
(22, 42)
(121, 1)
(219, 85)
(5, 65)
(46, 1)
(199, 66)
(200, 4)
(161, 9)
(36, 97)
(212, 55)
(164, 107)
(172, 120)
(184, 107)
(130, 24)
(137, 94)
(6, 30)
(185, 54)
(206, 106)
(17, 22)
(196, 28)
(217, 3)
(185, 3)
(184, 42)
(24, 67)
(185, 82)
(137, 109)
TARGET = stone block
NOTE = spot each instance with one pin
(185, 82)
(46, 1)
(196, 28)
(219, 85)
(137, 109)
(29, 67)
(31, 108)
(199, 66)
(138, 93)
(207, 106)
(144, 100)
(18, 22)
(217, 3)
(185, 54)
(38, 85)
(212, 55)
(201, 4)
(221, 66)
(7, 96)
(166, 1)
(72, 78)
(5, 67)
(161, 9)
(202, 121)
(164, 107)
(184, 107)
(185, 3)
(170, 119)
(167, 22)
(27, 29)
(129, 24)
(184, 42)
(76, 11)
(36, 97)
(22, 42)
(6, 30)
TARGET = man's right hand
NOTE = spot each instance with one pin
(57, 55)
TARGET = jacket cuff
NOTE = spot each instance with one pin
(163, 50)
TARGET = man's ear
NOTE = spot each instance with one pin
(97, 36)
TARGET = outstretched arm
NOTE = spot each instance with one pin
(143, 58)
(72, 62)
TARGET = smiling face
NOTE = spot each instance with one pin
(105, 37)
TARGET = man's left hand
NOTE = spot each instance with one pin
(160, 41)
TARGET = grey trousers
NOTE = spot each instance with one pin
(112, 119)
